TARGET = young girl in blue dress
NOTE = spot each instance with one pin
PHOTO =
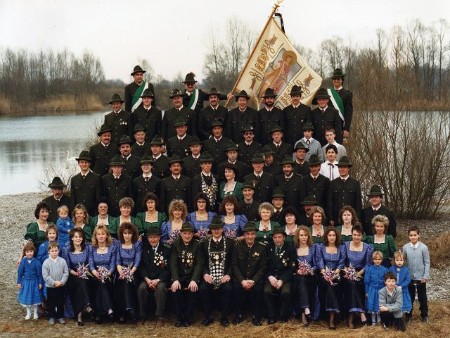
(29, 281)
(403, 279)
(374, 282)
(52, 235)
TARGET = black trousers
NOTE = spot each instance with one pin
(185, 303)
(388, 319)
(103, 297)
(206, 291)
(78, 289)
(254, 294)
(284, 294)
(126, 295)
(55, 302)
(421, 289)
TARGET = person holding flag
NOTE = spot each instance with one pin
(342, 100)
(134, 90)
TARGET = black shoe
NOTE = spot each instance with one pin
(283, 320)
(187, 323)
(408, 317)
(237, 320)
(207, 321)
(224, 322)
(178, 323)
(80, 323)
(111, 316)
(256, 321)
(271, 321)
(424, 319)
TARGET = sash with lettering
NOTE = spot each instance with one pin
(193, 99)
(136, 100)
(337, 102)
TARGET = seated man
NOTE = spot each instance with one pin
(281, 258)
(249, 266)
(217, 252)
(154, 270)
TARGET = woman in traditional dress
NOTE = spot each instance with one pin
(80, 220)
(381, 241)
(317, 216)
(230, 186)
(202, 216)
(152, 217)
(177, 216)
(233, 221)
(347, 219)
(36, 231)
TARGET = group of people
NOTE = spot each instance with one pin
(202, 201)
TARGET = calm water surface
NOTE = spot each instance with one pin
(33, 149)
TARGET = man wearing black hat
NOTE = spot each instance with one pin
(249, 265)
(119, 120)
(377, 208)
(269, 116)
(176, 113)
(145, 183)
(308, 203)
(231, 152)
(179, 144)
(210, 113)
(290, 183)
(280, 148)
(102, 152)
(281, 259)
(248, 148)
(134, 90)
(217, 252)
(155, 274)
(140, 147)
(175, 186)
(295, 115)
(206, 182)
(270, 165)
(148, 116)
(132, 162)
(186, 267)
(116, 185)
(249, 207)
(57, 199)
(262, 182)
(300, 164)
(278, 202)
(217, 143)
(325, 116)
(85, 187)
(344, 190)
(314, 146)
(242, 116)
(160, 162)
(316, 185)
(342, 100)
(191, 163)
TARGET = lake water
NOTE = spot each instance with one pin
(34, 149)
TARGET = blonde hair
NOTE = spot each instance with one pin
(63, 208)
(398, 254)
(97, 229)
(177, 205)
(377, 254)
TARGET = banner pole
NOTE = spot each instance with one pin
(275, 7)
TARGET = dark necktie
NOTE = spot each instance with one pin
(146, 179)
(208, 179)
(331, 171)
(308, 142)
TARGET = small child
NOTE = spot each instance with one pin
(64, 224)
(374, 281)
(29, 281)
(403, 279)
(391, 302)
(55, 273)
(52, 235)
(418, 262)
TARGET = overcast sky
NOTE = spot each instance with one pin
(172, 34)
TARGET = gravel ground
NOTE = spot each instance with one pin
(18, 212)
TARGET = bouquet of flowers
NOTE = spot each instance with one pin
(127, 275)
(83, 271)
(230, 233)
(304, 268)
(350, 273)
(202, 233)
(174, 234)
(159, 260)
(330, 276)
(103, 273)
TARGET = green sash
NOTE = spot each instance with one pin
(193, 99)
(337, 102)
(136, 100)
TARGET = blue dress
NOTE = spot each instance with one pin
(167, 235)
(403, 280)
(29, 275)
(129, 257)
(330, 294)
(354, 293)
(305, 286)
(192, 218)
(78, 288)
(374, 282)
(233, 230)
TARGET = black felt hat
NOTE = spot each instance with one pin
(137, 69)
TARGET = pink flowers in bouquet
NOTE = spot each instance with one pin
(127, 275)
(350, 273)
(304, 268)
(331, 275)
(83, 271)
(103, 274)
